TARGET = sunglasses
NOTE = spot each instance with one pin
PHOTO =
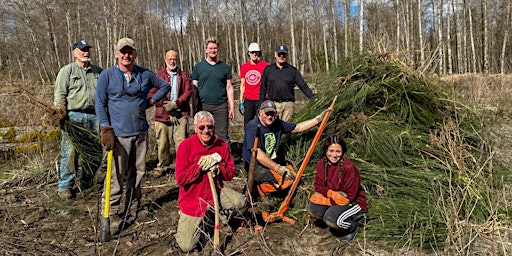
(282, 54)
(270, 113)
(209, 127)
(255, 53)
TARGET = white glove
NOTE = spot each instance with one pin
(208, 161)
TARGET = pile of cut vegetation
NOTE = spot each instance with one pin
(426, 165)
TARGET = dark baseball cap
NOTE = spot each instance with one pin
(282, 48)
(268, 105)
(80, 45)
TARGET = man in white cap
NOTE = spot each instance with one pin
(75, 90)
(121, 103)
(278, 84)
(250, 81)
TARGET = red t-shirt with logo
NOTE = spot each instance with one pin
(252, 74)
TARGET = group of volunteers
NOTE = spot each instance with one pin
(113, 103)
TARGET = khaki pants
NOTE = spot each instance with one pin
(167, 134)
(285, 110)
(129, 160)
(193, 231)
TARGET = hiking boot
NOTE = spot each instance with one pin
(65, 194)
(158, 172)
(115, 223)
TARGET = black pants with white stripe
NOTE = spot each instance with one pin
(336, 216)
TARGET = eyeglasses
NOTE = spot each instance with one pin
(282, 54)
(209, 127)
(126, 51)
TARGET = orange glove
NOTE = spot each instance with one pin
(337, 197)
(317, 198)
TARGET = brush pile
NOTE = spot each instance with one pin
(425, 160)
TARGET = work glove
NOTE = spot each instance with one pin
(208, 161)
(283, 170)
(59, 117)
(241, 108)
(107, 137)
(173, 120)
(320, 117)
(318, 198)
(214, 169)
(337, 197)
(170, 107)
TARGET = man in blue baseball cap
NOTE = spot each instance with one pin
(75, 91)
(278, 82)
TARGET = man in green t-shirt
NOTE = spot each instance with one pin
(212, 78)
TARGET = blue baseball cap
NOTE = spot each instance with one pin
(80, 45)
(281, 49)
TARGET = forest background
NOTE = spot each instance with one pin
(435, 37)
(432, 36)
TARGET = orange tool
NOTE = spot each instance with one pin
(279, 215)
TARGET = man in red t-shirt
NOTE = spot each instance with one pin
(250, 77)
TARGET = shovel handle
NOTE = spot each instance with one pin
(107, 184)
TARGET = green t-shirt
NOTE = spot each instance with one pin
(211, 81)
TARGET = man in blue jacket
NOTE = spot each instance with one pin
(121, 103)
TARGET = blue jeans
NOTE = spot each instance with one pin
(87, 153)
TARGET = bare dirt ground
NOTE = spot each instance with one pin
(35, 221)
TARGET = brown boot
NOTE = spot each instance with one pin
(65, 194)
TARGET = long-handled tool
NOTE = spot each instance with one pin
(279, 215)
(105, 221)
(216, 231)
(252, 165)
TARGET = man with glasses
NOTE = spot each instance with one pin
(171, 113)
(278, 84)
(212, 78)
(196, 156)
(250, 81)
(121, 103)
(75, 90)
(272, 173)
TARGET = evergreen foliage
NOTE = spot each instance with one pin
(424, 158)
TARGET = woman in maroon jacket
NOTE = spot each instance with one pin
(338, 191)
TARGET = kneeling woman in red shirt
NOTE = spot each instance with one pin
(338, 191)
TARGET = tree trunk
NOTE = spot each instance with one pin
(361, 27)
(472, 40)
(505, 37)
(440, 35)
(485, 39)
(324, 25)
(448, 43)
(334, 25)
(346, 21)
(420, 34)
(292, 34)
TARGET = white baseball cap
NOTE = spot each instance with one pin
(254, 47)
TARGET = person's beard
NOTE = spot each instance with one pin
(85, 59)
(172, 68)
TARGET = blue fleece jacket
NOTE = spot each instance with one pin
(122, 104)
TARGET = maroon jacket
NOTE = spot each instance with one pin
(184, 93)
(346, 180)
